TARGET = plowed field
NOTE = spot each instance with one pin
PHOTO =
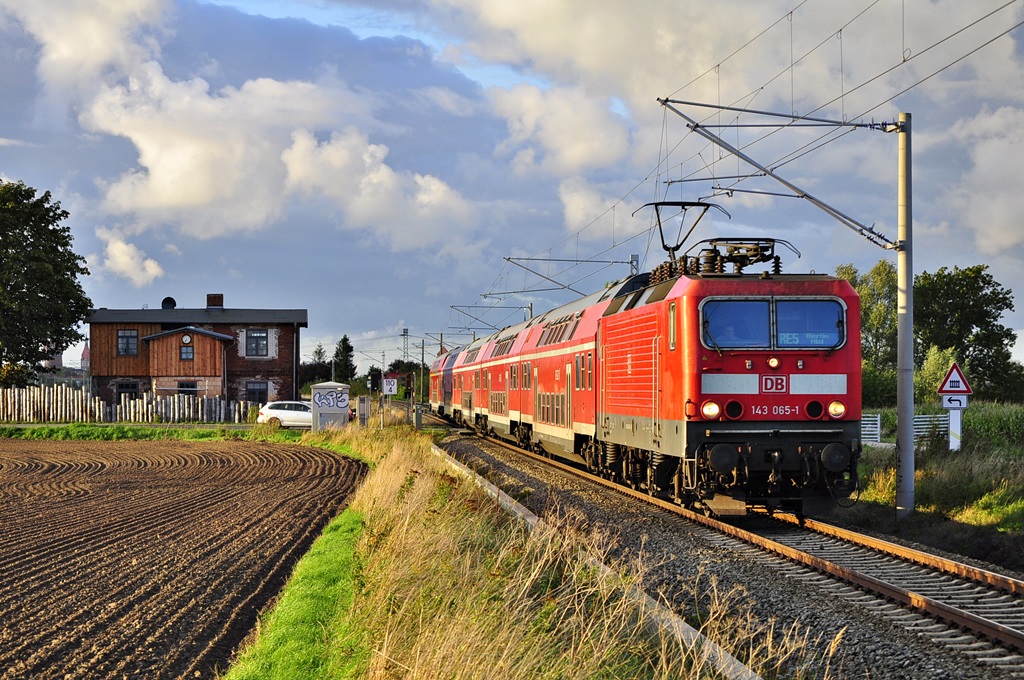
(150, 559)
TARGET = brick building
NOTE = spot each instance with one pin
(236, 354)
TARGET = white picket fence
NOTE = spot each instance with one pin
(63, 404)
(925, 426)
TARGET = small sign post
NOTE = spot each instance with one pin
(954, 391)
(388, 387)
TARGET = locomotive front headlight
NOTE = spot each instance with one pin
(836, 409)
(773, 362)
(710, 410)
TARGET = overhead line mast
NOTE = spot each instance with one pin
(867, 232)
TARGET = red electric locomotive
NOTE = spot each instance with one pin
(724, 390)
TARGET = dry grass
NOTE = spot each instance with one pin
(452, 588)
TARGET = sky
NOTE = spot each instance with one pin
(444, 166)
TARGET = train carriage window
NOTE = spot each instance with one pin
(672, 325)
(809, 323)
(736, 324)
(590, 371)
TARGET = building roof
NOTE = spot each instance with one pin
(201, 316)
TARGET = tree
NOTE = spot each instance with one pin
(344, 361)
(960, 310)
(42, 302)
(878, 295)
(928, 378)
(316, 371)
(319, 354)
(955, 312)
(878, 386)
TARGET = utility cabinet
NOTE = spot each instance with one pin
(330, 405)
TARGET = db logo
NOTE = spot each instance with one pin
(774, 384)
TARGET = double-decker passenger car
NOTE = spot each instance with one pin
(724, 391)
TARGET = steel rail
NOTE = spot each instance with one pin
(1001, 582)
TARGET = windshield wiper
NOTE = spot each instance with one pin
(709, 336)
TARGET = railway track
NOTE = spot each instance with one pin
(974, 612)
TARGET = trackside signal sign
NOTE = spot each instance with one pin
(955, 382)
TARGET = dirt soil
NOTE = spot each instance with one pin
(150, 559)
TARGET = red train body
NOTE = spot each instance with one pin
(725, 391)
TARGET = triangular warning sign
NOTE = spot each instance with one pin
(955, 382)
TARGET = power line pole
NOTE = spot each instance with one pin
(904, 328)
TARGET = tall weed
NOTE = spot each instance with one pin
(452, 588)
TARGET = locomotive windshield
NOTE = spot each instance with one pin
(736, 323)
(809, 323)
(779, 323)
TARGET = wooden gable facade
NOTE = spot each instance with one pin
(236, 354)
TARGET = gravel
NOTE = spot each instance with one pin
(684, 562)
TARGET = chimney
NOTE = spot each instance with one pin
(215, 300)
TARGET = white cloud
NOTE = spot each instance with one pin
(406, 210)
(561, 130)
(82, 43)
(988, 199)
(210, 161)
(448, 101)
(126, 260)
(586, 209)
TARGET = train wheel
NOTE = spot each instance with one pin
(591, 458)
(523, 438)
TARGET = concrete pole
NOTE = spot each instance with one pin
(904, 330)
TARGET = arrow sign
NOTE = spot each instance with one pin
(954, 401)
(955, 382)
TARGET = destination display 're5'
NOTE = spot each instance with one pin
(723, 390)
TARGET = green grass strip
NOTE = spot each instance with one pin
(292, 640)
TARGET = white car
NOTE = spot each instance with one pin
(286, 414)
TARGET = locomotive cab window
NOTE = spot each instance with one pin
(736, 324)
(810, 323)
(778, 323)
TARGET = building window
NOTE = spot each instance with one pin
(256, 344)
(127, 343)
(127, 390)
(187, 353)
(256, 391)
(187, 387)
